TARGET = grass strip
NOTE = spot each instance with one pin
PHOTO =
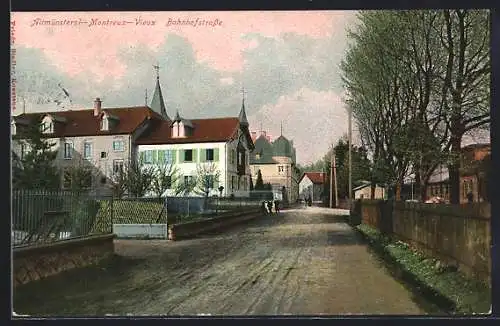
(449, 289)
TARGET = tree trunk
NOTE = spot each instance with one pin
(398, 191)
(372, 191)
(453, 170)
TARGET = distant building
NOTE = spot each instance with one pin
(471, 175)
(276, 159)
(365, 190)
(311, 185)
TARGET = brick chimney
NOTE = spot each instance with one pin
(97, 107)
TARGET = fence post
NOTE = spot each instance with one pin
(112, 211)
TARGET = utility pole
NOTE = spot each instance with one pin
(335, 181)
(331, 179)
(350, 156)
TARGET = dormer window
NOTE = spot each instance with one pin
(105, 123)
(47, 127)
(177, 129)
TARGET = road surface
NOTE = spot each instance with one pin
(302, 262)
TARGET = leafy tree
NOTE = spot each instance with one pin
(251, 184)
(35, 168)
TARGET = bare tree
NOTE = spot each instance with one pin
(138, 177)
(164, 176)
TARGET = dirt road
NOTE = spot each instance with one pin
(303, 262)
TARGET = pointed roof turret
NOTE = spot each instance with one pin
(243, 115)
(157, 103)
(177, 117)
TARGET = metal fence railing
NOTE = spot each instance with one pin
(139, 211)
(48, 216)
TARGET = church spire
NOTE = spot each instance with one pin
(281, 128)
(157, 103)
(243, 115)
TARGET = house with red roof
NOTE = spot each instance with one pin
(221, 144)
(103, 140)
(311, 185)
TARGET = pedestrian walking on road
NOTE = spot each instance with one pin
(277, 206)
(270, 206)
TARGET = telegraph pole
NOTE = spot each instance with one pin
(350, 156)
(335, 180)
(331, 178)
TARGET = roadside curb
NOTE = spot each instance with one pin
(399, 271)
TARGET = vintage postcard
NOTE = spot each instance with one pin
(250, 163)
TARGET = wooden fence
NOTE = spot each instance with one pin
(454, 234)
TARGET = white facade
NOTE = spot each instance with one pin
(306, 188)
(224, 159)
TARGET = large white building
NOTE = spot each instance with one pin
(221, 145)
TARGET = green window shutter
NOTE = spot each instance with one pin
(181, 155)
(216, 154)
(174, 156)
(161, 156)
(155, 156)
(141, 157)
(203, 155)
(195, 156)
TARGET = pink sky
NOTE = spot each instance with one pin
(75, 49)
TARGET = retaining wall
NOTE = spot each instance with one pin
(36, 262)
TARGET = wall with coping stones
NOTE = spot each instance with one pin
(37, 262)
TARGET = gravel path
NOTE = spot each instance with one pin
(304, 261)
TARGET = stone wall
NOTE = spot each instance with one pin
(37, 262)
(457, 235)
(190, 229)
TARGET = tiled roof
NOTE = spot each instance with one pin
(83, 122)
(315, 177)
(204, 130)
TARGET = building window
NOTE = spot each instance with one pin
(233, 156)
(104, 154)
(87, 150)
(24, 151)
(68, 150)
(257, 156)
(209, 181)
(47, 127)
(169, 157)
(210, 154)
(118, 145)
(280, 168)
(188, 179)
(148, 157)
(117, 166)
(233, 179)
(188, 155)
